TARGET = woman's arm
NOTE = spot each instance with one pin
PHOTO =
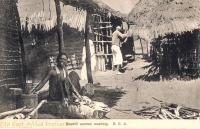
(121, 35)
(43, 82)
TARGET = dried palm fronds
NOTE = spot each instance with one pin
(169, 111)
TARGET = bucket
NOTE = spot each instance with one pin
(30, 101)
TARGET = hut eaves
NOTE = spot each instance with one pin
(96, 6)
(159, 17)
(45, 15)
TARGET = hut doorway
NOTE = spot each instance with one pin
(103, 27)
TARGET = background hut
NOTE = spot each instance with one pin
(171, 25)
(159, 18)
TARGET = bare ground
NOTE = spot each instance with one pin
(140, 93)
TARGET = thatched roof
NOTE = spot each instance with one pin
(95, 6)
(159, 17)
(123, 6)
(43, 12)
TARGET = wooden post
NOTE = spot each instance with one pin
(24, 67)
(198, 52)
(147, 44)
(142, 48)
(59, 26)
(87, 47)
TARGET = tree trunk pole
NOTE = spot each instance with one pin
(59, 27)
(87, 47)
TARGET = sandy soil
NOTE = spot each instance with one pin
(140, 93)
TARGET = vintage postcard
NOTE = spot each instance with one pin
(100, 64)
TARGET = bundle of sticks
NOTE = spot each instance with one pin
(21, 113)
(169, 111)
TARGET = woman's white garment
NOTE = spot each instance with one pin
(93, 60)
(117, 55)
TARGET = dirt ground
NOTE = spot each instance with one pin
(140, 93)
(137, 94)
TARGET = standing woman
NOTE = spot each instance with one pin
(116, 43)
(60, 85)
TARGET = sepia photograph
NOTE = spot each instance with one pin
(118, 60)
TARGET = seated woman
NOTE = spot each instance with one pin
(61, 87)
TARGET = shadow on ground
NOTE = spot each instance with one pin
(108, 96)
(152, 74)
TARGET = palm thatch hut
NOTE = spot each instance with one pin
(40, 33)
(34, 25)
(172, 27)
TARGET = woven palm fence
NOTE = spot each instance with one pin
(159, 17)
(10, 52)
(10, 57)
